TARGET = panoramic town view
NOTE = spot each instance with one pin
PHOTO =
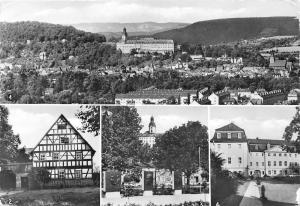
(243, 53)
(255, 156)
(146, 160)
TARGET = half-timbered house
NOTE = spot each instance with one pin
(64, 153)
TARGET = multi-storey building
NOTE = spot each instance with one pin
(149, 136)
(145, 44)
(64, 153)
(158, 96)
(253, 156)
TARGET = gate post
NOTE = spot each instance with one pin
(112, 183)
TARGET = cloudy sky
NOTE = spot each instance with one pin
(31, 122)
(75, 11)
(167, 117)
(266, 122)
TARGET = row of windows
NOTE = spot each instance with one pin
(280, 155)
(62, 174)
(63, 147)
(62, 164)
(229, 146)
(239, 160)
(56, 156)
(280, 163)
(239, 135)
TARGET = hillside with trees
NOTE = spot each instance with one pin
(233, 29)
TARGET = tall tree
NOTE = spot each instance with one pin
(178, 149)
(121, 147)
(9, 142)
(90, 119)
(293, 128)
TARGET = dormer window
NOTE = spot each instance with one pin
(239, 135)
(229, 135)
(218, 135)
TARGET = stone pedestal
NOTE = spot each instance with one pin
(177, 192)
(112, 195)
(148, 193)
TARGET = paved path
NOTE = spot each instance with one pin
(251, 196)
(156, 199)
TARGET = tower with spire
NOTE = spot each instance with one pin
(124, 35)
(152, 126)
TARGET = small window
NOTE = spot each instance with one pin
(269, 172)
(274, 154)
(229, 146)
(274, 164)
(218, 135)
(78, 155)
(274, 172)
(239, 135)
(61, 174)
(62, 126)
(78, 174)
(229, 160)
(269, 154)
(280, 163)
(240, 160)
(279, 154)
(42, 157)
(269, 163)
(257, 164)
(250, 163)
(64, 140)
(229, 135)
(55, 156)
(285, 163)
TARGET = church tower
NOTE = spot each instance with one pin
(152, 126)
(124, 35)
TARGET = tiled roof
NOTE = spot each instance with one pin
(150, 41)
(155, 94)
(230, 127)
(260, 145)
(278, 63)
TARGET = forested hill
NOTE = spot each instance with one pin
(37, 31)
(230, 30)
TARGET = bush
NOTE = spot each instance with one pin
(190, 190)
(7, 179)
(38, 177)
(129, 191)
(163, 190)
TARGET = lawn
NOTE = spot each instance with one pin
(280, 194)
(55, 197)
(235, 199)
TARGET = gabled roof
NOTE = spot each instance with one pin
(230, 127)
(75, 130)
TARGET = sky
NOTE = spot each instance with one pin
(167, 117)
(32, 122)
(267, 122)
(124, 11)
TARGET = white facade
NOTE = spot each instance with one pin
(255, 157)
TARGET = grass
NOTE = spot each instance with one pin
(235, 199)
(55, 197)
(280, 194)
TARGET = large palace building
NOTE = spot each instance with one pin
(257, 157)
(64, 153)
(145, 45)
